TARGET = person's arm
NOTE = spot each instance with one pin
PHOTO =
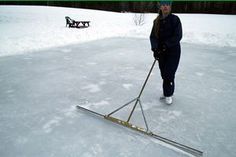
(154, 43)
(177, 36)
(153, 39)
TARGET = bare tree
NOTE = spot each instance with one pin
(139, 19)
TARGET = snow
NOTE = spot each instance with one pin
(44, 27)
(47, 69)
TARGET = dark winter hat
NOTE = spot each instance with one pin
(164, 2)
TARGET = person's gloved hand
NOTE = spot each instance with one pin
(154, 49)
(156, 54)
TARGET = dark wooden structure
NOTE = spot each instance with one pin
(76, 24)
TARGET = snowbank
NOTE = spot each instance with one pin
(31, 28)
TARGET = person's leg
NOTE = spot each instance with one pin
(168, 87)
(168, 76)
(162, 66)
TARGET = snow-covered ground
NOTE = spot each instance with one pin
(25, 29)
(101, 68)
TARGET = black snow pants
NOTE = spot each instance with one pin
(168, 64)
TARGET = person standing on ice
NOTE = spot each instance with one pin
(165, 43)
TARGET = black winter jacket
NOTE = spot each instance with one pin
(170, 34)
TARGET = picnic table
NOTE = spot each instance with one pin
(76, 24)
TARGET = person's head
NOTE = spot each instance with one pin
(165, 7)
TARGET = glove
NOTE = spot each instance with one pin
(156, 54)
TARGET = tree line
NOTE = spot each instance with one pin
(217, 7)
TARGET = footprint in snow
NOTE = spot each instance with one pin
(48, 127)
(92, 88)
(127, 86)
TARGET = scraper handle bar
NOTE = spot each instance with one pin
(150, 71)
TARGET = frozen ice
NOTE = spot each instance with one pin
(43, 79)
(39, 118)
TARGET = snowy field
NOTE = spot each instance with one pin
(47, 69)
(26, 29)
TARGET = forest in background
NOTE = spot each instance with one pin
(216, 7)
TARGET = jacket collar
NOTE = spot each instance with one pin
(166, 16)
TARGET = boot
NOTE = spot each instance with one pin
(168, 100)
(162, 97)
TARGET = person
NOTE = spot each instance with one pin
(165, 43)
